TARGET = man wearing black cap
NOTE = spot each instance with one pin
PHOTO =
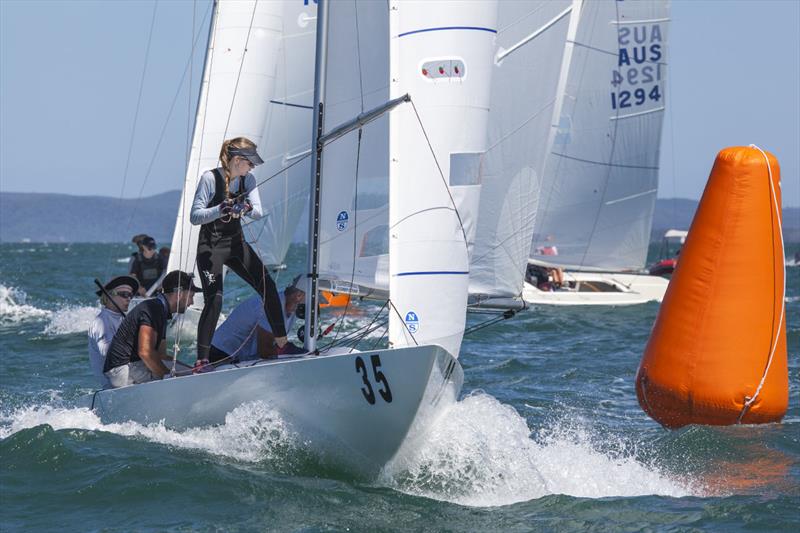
(147, 264)
(115, 301)
(139, 347)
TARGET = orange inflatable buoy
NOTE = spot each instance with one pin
(717, 352)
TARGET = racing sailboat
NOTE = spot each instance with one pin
(600, 182)
(414, 62)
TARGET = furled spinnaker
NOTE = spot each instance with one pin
(717, 352)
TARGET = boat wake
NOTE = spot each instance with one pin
(482, 453)
(252, 433)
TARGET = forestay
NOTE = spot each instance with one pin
(601, 176)
(530, 40)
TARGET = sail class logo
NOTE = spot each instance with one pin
(412, 322)
(341, 220)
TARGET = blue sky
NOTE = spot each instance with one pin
(70, 75)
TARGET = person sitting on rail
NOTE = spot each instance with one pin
(138, 349)
(115, 302)
(247, 335)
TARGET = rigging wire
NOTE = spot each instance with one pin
(190, 64)
(183, 259)
(505, 315)
(441, 174)
(355, 233)
(135, 121)
(187, 68)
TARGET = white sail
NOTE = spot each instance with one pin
(364, 403)
(238, 83)
(285, 142)
(601, 176)
(354, 213)
(530, 39)
(441, 55)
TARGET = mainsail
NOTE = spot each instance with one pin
(601, 176)
(285, 143)
(257, 83)
(530, 38)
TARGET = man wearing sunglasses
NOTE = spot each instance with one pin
(139, 349)
(114, 302)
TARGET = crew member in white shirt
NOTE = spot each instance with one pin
(120, 290)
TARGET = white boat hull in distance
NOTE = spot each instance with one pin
(354, 409)
(600, 288)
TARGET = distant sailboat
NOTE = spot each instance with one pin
(600, 182)
(382, 117)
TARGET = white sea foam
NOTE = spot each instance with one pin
(482, 453)
(124, 259)
(13, 306)
(253, 432)
(70, 319)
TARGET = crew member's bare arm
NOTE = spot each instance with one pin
(266, 343)
(149, 353)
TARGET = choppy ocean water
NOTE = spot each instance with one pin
(547, 435)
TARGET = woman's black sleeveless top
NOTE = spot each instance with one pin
(217, 228)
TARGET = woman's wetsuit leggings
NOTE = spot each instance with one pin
(233, 252)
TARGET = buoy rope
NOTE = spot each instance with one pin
(774, 341)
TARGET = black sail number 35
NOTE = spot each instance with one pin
(378, 377)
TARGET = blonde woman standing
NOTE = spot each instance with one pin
(223, 196)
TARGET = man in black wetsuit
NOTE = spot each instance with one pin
(147, 264)
(139, 347)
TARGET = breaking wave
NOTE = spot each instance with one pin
(482, 453)
(13, 306)
(70, 319)
(253, 432)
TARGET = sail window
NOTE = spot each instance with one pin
(443, 69)
(465, 168)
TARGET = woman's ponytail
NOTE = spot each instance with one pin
(225, 157)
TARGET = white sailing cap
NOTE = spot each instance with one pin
(300, 282)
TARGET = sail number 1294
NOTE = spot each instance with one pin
(637, 97)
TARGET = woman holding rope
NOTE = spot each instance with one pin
(223, 196)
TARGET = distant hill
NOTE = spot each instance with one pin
(677, 213)
(44, 217)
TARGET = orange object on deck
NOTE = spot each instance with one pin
(717, 352)
(334, 299)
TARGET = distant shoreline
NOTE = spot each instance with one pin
(64, 218)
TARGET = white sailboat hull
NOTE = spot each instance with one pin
(352, 408)
(600, 288)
